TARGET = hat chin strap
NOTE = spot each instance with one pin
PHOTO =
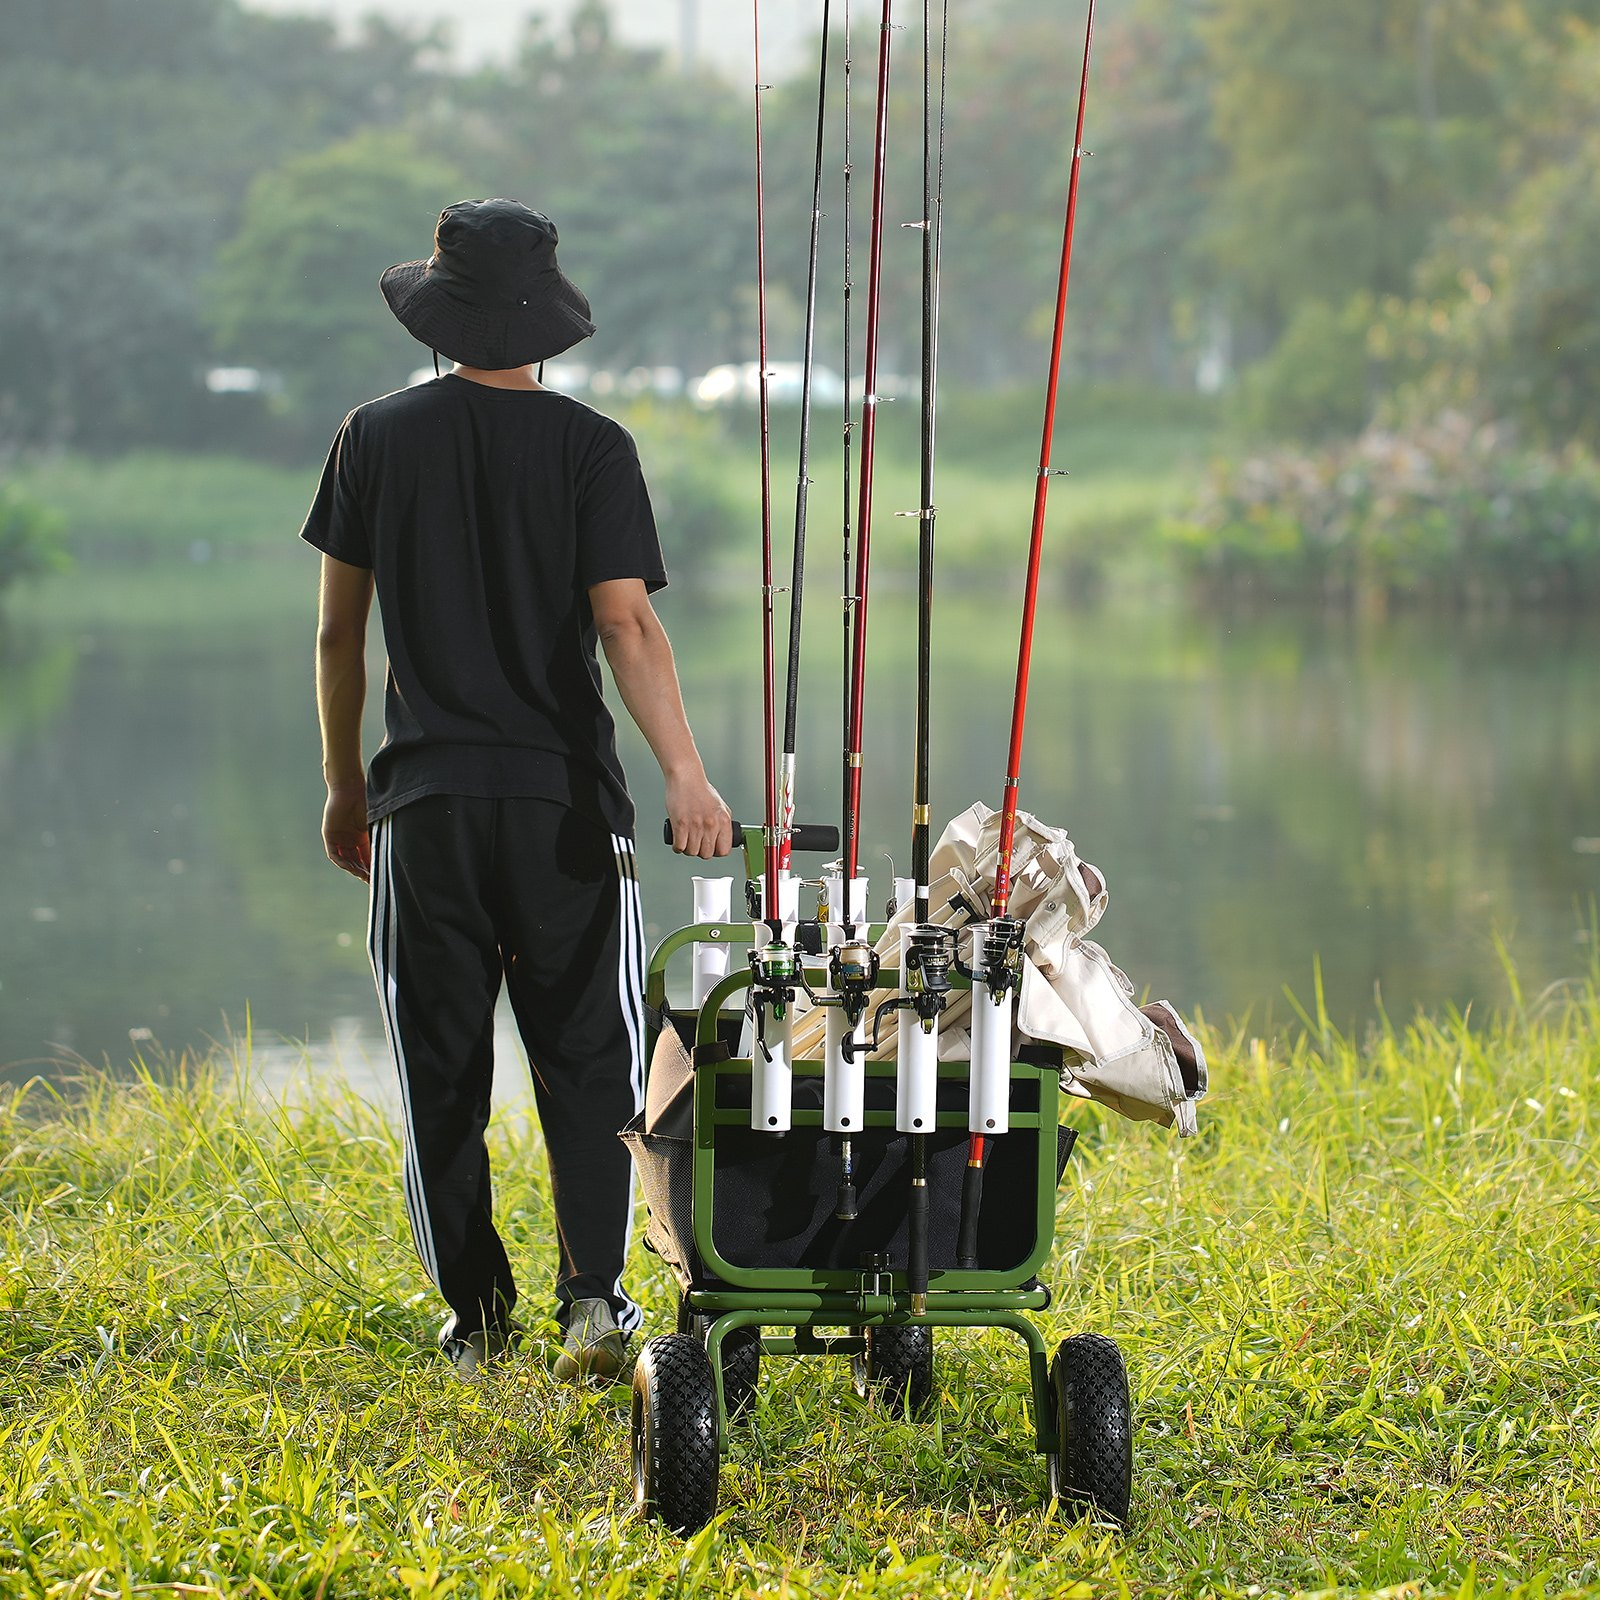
(436, 363)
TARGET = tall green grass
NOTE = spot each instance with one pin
(1127, 470)
(153, 504)
(1360, 1311)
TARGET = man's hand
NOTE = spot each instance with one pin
(702, 825)
(344, 830)
(641, 663)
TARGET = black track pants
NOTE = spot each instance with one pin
(463, 892)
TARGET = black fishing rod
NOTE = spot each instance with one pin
(996, 963)
(774, 964)
(852, 964)
(933, 214)
(926, 951)
(803, 478)
(846, 914)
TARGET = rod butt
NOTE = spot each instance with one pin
(971, 1205)
(917, 1227)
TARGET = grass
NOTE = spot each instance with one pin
(1360, 1313)
(154, 504)
(1127, 471)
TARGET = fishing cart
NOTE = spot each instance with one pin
(747, 1221)
(812, 1193)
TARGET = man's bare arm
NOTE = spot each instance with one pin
(342, 611)
(640, 657)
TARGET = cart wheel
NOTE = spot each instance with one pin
(741, 1359)
(897, 1365)
(1094, 1421)
(675, 1455)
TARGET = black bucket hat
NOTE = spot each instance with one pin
(491, 294)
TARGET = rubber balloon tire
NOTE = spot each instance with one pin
(896, 1369)
(1094, 1423)
(675, 1457)
(741, 1360)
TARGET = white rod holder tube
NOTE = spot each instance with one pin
(844, 1083)
(989, 1087)
(916, 1080)
(905, 890)
(788, 897)
(833, 896)
(713, 899)
(771, 1073)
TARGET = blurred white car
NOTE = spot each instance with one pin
(739, 384)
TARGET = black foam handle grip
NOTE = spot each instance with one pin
(917, 1237)
(809, 836)
(971, 1205)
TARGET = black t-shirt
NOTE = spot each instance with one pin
(485, 515)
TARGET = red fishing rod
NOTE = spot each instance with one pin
(869, 430)
(997, 945)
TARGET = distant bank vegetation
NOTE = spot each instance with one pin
(1451, 511)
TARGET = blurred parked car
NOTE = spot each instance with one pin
(739, 384)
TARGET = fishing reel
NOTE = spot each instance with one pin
(996, 959)
(776, 977)
(927, 954)
(852, 975)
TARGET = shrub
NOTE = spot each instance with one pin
(1451, 509)
(30, 538)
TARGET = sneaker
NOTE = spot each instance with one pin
(594, 1346)
(471, 1353)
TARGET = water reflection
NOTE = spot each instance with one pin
(1259, 791)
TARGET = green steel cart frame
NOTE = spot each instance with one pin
(803, 1299)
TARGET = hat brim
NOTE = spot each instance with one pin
(479, 336)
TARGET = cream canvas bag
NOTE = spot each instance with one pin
(1142, 1062)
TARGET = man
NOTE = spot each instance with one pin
(506, 529)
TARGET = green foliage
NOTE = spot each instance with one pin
(1507, 319)
(1452, 510)
(150, 504)
(30, 538)
(1351, 131)
(131, 135)
(296, 287)
(1319, 378)
(1359, 1315)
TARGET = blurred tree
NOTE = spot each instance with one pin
(1507, 320)
(296, 288)
(1320, 378)
(646, 173)
(1350, 133)
(131, 135)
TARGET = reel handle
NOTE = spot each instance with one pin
(821, 837)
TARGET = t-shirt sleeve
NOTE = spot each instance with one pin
(616, 528)
(335, 524)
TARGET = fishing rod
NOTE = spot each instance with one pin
(852, 963)
(996, 961)
(869, 434)
(926, 951)
(775, 965)
(846, 915)
(803, 478)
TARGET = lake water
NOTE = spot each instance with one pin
(1261, 792)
